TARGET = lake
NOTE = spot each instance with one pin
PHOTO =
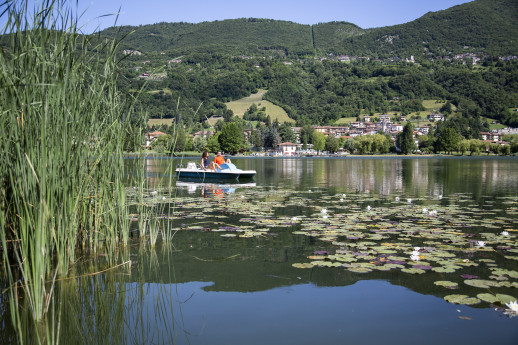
(313, 250)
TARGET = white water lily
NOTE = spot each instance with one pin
(369, 208)
(416, 249)
(425, 210)
(294, 219)
(324, 216)
(414, 257)
(513, 306)
(153, 193)
(504, 233)
(341, 200)
(397, 198)
(163, 198)
(409, 201)
(433, 213)
(323, 211)
(481, 243)
(343, 195)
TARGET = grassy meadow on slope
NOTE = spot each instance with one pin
(274, 111)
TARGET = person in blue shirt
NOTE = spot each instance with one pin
(205, 161)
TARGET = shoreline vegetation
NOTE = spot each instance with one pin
(64, 195)
(190, 154)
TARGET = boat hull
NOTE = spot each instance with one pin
(199, 174)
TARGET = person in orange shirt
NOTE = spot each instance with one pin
(219, 159)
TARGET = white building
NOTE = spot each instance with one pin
(287, 149)
(435, 117)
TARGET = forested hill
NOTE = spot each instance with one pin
(488, 26)
(481, 26)
(233, 36)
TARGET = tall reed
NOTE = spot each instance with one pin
(62, 129)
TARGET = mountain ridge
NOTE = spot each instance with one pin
(488, 26)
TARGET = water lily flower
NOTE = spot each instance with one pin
(481, 243)
(343, 195)
(397, 198)
(425, 210)
(504, 233)
(513, 306)
(433, 213)
(153, 193)
(323, 211)
(369, 208)
(294, 219)
(342, 200)
(409, 201)
(163, 198)
(414, 257)
(416, 249)
(324, 216)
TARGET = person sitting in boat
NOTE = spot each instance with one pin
(205, 161)
(219, 159)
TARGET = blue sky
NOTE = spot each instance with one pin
(366, 14)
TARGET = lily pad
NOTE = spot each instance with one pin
(498, 298)
(303, 265)
(461, 299)
(413, 270)
(447, 284)
(487, 297)
(480, 283)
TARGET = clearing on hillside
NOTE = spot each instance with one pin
(157, 122)
(241, 105)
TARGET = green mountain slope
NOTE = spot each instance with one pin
(332, 34)
(488, 26)
(230, 36)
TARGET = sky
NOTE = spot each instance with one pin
(365, 14)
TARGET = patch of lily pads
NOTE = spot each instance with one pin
(458, 243)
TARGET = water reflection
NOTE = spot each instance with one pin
(211, 189)
(382, 176)
(386, 176)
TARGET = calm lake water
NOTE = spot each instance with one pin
(314, 251)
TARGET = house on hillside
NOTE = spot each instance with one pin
(435, 117)
(152, 136)
(203, 134)
(396, 127)
(131, 52)
(287, 149)
(424, 130)
(495, 137)
(385, 118)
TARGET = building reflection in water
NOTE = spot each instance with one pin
(389, 176)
